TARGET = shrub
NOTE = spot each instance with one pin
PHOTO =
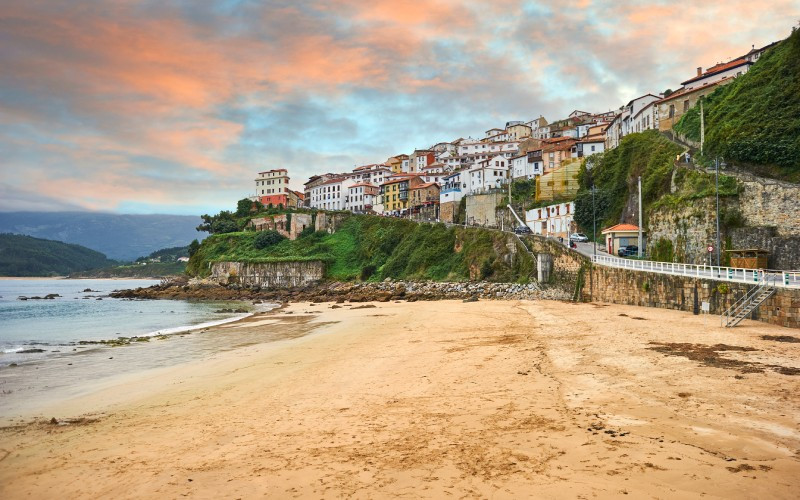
(266, 239)
(486, 269)
(662, 251)
(367, 271)
(193, 247)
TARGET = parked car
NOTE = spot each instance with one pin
(578, 237)
(627, 251)
(522, 230)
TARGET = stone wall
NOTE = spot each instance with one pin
(690, 229)
(784, 251)
(770, 210)
(767, 202)
(622, 286)
(329, 222)
(448, 212)
(481, 209)
(566, 263)
(278, 223)
(268, 274)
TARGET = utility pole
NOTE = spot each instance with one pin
(716, 182)
(640, 217)
(594, 225)
(702, 127)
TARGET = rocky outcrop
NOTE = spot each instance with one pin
(353, 292)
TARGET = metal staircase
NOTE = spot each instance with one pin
(748, 303)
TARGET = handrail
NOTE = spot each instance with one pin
(743, 301)
(780, 279)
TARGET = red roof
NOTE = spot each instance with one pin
(719, 68)
(683, 91)
(335, 180)
(620, 227)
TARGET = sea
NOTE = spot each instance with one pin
(53, 346)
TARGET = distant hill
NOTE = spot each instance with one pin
(755, 120)
(26, 256)
(120, 237)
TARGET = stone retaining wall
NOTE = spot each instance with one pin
(623, 286)
(268, 274)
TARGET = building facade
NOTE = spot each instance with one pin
(272, 187)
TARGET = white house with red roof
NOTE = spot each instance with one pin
(622, 235)
(554, 220)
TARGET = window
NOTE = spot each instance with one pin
(672, 111)
(686, 105)
(592, 148)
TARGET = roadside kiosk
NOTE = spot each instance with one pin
(750, 258)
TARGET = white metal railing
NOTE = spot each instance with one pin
(780, 279)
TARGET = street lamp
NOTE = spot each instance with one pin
(594, 225)
(717, 165)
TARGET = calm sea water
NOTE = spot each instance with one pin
(58, 326)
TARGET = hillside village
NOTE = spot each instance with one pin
(532, 167)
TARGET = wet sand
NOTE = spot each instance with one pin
(503, 399)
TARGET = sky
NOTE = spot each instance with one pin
(174, 106)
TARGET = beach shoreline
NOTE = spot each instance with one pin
(516, 398)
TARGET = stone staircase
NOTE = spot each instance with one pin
(747, 304)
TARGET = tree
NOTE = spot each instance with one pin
(194, 246)
(221, 226)
(214, 223)
(244, 207)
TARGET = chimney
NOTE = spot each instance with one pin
(699, 70)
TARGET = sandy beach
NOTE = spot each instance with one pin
(500, 399)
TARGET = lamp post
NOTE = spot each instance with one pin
(594, 225)
(717, 165)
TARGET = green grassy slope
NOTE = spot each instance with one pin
(27, 256)
(615, 175)
(375, 248)
(755, 120)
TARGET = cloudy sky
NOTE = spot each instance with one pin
(172, 106)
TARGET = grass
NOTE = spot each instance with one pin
(755, 120)
(646, 154)
(376, 248)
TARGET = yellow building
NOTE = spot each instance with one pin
(560, 183)
(396, 163)
(395, 192)
(518, 132)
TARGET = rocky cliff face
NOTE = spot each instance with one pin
(770, 220)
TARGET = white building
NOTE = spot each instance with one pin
(553, 220)
(272, 187)
(371, 174)
(526, 166)
(487, 174)
(331, 194)
(435, 172)
(646, 118)
(361, 197)
(453, 187)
